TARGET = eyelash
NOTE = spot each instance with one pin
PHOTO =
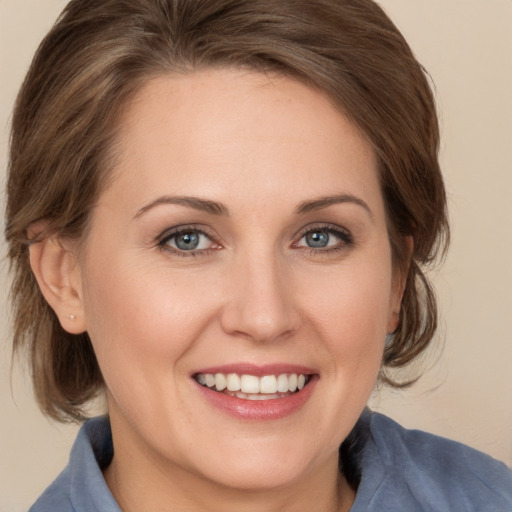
(182, 230)
(346, 240)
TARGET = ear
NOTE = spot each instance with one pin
(399, 282)
(55, 267)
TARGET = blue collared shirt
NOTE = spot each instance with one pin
(401, 471)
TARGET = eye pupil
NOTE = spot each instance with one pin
(187, 241)
(317, 239)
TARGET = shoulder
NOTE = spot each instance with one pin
(439, 471)
(81, 487)
(56, 498)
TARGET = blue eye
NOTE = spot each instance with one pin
(325, 238)
(187, 240)
(317, 239)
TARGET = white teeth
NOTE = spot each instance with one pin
(268, 384)
(292, 382)
(250, 384)
(258, 396)
(233, 382)
(220, 381)
(251, 387)
(282, 383)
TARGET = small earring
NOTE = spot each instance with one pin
(71, 317)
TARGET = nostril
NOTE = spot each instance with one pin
(260, 304)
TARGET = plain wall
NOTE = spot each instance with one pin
(467, 394)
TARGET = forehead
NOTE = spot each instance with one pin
(200, 131)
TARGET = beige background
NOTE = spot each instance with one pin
(467, 394)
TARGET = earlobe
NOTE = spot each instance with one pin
(393, 322)
(399, 287)
(54, 267)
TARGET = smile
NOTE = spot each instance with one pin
(252, 387)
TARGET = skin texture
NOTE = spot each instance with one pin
(253, 292)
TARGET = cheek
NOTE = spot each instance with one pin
(145, 321)
(350, 311)
(354, 298)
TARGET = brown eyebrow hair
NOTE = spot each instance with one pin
(197, 203)
(324, 202)
(216, 208)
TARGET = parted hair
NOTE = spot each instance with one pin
(100, 52)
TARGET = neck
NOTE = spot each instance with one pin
(149, 485)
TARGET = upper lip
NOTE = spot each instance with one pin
(258, 370)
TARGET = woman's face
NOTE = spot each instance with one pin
(243, 236)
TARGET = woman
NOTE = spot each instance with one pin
(226, 207)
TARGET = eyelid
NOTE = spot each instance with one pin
(342, 233)
(175, 231)
(345, 236)
(322, 226)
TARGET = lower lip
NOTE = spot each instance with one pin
(259, 410)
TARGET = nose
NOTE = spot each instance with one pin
(261, 305)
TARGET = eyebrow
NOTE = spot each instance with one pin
(216, 208)
(326, 201)
(196, 203)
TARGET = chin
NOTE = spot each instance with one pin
(259, 466)
(256, 478)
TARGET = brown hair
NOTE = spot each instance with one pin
(100, 52)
